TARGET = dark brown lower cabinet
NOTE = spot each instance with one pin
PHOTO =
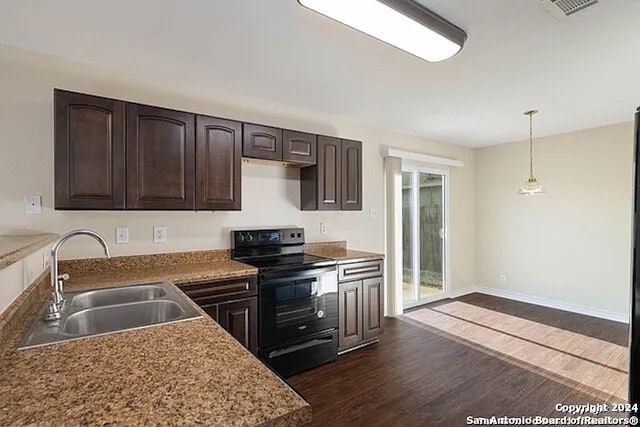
(361, 305)
(211, 310)
(350, 314)
(372, 307)
(233, 303)
(236, 317)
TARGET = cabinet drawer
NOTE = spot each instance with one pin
(299, 147)
(360, 270)
(261, 142)
(213, 291)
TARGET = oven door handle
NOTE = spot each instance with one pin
(270, 278)
(297, 347)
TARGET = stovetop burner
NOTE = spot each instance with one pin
(274, 249)
(268, 263)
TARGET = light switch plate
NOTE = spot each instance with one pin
(159, 234)
(122, 235)
(33, 205)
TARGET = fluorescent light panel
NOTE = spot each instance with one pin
(390, 26)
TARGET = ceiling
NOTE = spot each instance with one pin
(580, 73)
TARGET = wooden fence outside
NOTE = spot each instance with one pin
(430, 224)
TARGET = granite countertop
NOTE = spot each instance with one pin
(343, 255)
(174, 273)
(185, 373)
(14, 248)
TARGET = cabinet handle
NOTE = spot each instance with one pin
(361, 270)
(302, 346)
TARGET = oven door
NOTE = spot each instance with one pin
(297, 303)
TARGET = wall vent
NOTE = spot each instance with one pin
(561, 9)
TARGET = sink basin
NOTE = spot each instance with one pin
(113, 296)
(106, 311)
(101, 320)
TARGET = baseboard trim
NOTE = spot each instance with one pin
(457, 293)
(560, 305)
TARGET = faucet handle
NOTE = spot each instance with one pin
(64, 276)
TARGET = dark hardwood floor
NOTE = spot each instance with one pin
(414, 377)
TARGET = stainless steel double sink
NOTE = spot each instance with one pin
(105, 311)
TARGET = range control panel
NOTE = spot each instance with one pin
(268, 237)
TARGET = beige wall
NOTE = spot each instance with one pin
(15, 278)
(578, 238)
(270, 193)
(572, 244)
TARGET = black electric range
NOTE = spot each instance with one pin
(297, 295)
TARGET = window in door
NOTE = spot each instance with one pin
(424, 231)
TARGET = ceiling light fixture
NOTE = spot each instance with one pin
(400, 23)
(531, 187)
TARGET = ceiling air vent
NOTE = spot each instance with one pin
(561, 9)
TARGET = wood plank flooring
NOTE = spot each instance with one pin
(415, 377)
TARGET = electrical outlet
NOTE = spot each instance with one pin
(33, 205)
(323, 228)
(503, 278)
(159, 234)
(122, 235)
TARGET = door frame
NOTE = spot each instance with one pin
(446, 219)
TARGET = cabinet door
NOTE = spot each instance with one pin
(240, 319)
(372, 307)
(160, 158)
(351, 175)
(261, 142)
(211, 310)
(350, 314)
(320, 185)
(89, 152)
(299, 147)
(218, 163)
(329, 173)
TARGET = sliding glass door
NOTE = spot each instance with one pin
(424, 232)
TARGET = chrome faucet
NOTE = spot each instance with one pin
(56, 305)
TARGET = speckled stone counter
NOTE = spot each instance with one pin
(339, 252)
(14, 248)
(187, 373)
(174, 273)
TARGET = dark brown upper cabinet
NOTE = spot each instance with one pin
(335, 182)
(89, 152)
(299, 147)
(218, 163)
(261, 142)
(160, 158)
(351, 193)
(320, 185)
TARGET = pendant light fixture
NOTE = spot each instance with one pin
(531, 187)
(404, 24)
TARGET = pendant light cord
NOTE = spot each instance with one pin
(530, 145)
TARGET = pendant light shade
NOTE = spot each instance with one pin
(531, 186)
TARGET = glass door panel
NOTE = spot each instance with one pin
(423, 235)
(431, 239)
(408, 293)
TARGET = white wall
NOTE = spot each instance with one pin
(572, 244)
(15, 278)
(270, 193)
